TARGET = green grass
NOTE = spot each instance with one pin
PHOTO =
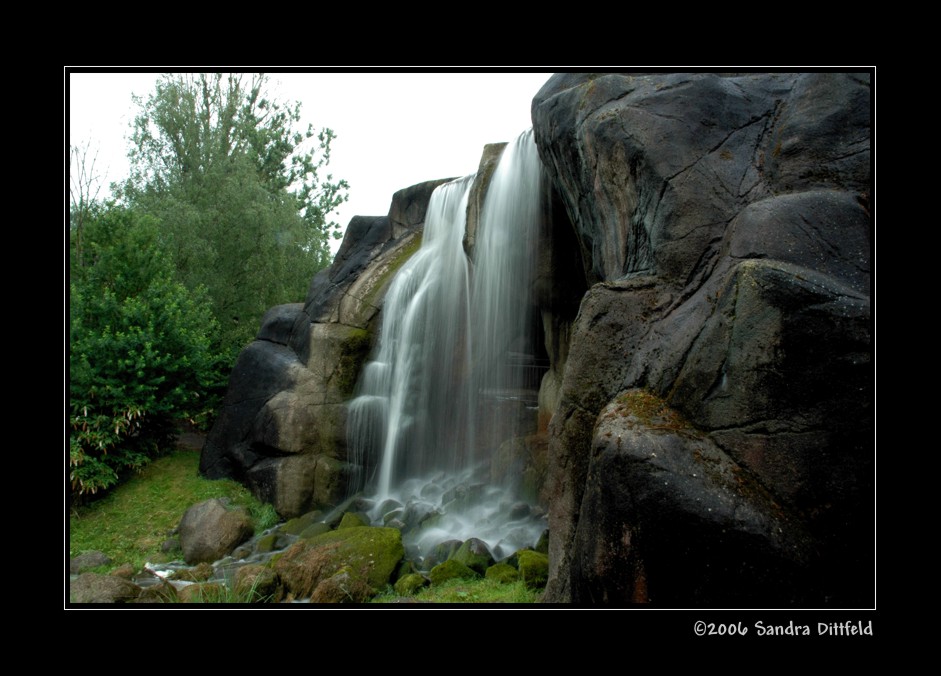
(470, 591)
(131, 523)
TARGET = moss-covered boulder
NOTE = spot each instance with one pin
(534, 568)
(353, 520)
(475, 554)
(370, 554)
(257, 584)
(450, 570)
(502, 572)
(313, 530)
(410, 584)
(441, 552)
(298, 524)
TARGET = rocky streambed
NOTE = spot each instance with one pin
(360, 549)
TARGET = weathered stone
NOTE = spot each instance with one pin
(297, 525)
(441, 552)
(734, 270)
(475, 200)
(313, 530)
(209, 531)
(83, 562)
(96, 588)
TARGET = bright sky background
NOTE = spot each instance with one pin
(392, 129)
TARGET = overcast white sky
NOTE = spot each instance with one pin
(393, 129)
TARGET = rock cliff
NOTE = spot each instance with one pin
(713, 437)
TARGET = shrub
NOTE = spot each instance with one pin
(139, 351)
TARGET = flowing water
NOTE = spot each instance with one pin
(449, 382)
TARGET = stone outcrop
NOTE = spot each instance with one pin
(282, 427)
(723, 227)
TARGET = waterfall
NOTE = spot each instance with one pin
(447, 384)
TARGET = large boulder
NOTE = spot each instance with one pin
(209, 530)
(723, 224)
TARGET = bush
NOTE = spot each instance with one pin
(140, 357)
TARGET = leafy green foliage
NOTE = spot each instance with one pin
(140, 357)
(238, 192)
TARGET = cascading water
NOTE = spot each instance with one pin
(446, 386)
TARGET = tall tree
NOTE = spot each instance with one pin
(238, 190)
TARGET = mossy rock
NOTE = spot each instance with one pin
(203, 592)
(257, 584)
(370, 554)
(344, 586)
(475, 554)
(502, 572)
(353, 520)
(410, 584)
(266, 543)
(534, 568)
(450, 570)
(313, 530)
(198, 573)
(299, 524)
(441, 552)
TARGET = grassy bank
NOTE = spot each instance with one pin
(131, 523)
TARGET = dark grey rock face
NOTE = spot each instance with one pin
(724, 222)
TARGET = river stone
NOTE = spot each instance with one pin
(83, 562)
(314, 530)
(96, 588)
(209, 531)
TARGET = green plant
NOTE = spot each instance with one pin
(139, 355)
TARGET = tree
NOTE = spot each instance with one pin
(237, 190)
(139, 355)
(84, 186)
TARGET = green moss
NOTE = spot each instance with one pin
(502, 572)
(652, 411)
(313, 530)
(352, 520)
(299, 524)
(534, 569)
(450, 570)
(354, 350)
(410, 584)
(372, 554)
